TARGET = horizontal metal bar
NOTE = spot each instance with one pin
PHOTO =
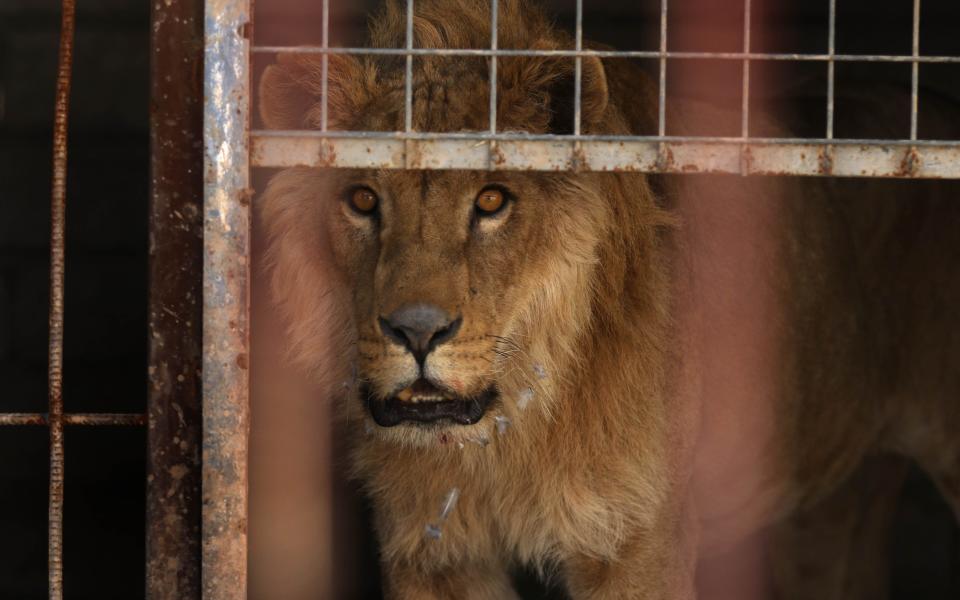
(848, 158)
(485, 52)
(482, 136)
(91, 419)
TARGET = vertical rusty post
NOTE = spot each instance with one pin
(226, 260)
(175, 312)
(58, 210)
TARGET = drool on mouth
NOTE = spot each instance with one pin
(423, 402)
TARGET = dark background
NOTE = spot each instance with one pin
(106, 333)
(106, 279)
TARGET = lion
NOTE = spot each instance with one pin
(615, 379)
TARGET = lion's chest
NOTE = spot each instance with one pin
(547, 513)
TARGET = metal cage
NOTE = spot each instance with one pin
(231, 149)
(660, 153)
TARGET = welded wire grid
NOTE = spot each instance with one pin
(55, 418)
(493, 149)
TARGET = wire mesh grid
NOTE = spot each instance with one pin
(494, 149)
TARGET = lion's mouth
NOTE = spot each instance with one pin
(424, 402)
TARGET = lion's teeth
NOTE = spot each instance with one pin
(409, 395)
(428, 398)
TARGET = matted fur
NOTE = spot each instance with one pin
(589, 295)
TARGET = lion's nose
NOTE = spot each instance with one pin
(420, 327)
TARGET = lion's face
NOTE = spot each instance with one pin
(459, 287)
(462, 292)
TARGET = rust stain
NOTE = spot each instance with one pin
(825, 161)
(665, 159)
(909, 164)
(497, 159)
(328, 154)
(578, 159)
(246, 196)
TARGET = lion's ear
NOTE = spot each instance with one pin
(291, 91)
(594, 96)
(594, 91)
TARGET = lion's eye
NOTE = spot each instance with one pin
(363, 200)
(489, 202)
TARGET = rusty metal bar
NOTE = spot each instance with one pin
(686, 55)
(226, 260)
(58, 209)
(88, 419)
(851, 158)
(175, 315)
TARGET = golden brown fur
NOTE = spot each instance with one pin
(583, 294)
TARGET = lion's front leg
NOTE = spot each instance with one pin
(462, 581)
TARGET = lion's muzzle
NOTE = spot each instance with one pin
(421, 327)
